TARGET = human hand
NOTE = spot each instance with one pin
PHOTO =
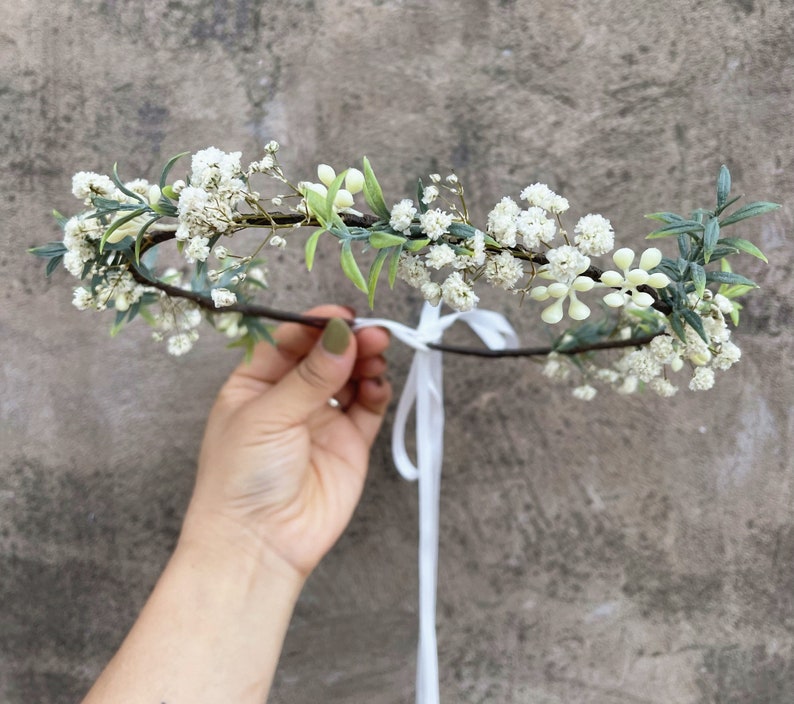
(280, 470)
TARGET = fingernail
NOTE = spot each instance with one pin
(336, 336)
(350, 310)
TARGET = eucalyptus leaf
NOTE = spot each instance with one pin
(420, 193)
(728, 277)
(126, 191)
(51, 249)
(52, 265)
(749, 211)
(684, 246)
(677, 325)
(394, 264)
(60, 219)
(373, 193)
(668, 218)
(141, 234)
(462, 230)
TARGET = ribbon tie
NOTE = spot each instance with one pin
(424, 388)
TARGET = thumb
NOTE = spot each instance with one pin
(318, 376)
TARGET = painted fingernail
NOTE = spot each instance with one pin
(336, 336)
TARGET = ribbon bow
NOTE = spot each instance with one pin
(424, 387)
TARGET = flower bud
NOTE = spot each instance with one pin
(650, 258)
(578, 310)
(623, 257)
(344, 199)
(354, 181)
(326, 174)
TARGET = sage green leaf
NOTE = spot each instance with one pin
(51, 249)
(723, 187)
(381, 240)
(168, 166)
(317, 206)
(744, 246)
(669, 218)
(710, 236)
(728, 277)
(60, 219)
(126, 191)
(749, 211)
(698, 278)
(311, 247)
(350, 267)
(462, 230)
(676, 228)
(696, 323)
(420, 193)
(394, 264)
(374, 273)
(169, 192)
(677, 325)
(118, 223)
(683, 246)
(52, 265)
(373, 193)
(139, 238)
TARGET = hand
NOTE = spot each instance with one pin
(280, 470)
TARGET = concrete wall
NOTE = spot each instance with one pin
(635, 550)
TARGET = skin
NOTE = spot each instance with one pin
(280, 473)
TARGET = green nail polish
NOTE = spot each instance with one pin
(336, 336)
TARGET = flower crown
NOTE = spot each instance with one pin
(662, 313)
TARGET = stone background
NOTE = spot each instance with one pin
(630, 551)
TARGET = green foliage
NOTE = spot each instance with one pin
(373, 193)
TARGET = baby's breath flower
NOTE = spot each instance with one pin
(402, 214)
(82, 298)
(86, 184)
(556, 367)
(702, 379)
(429, 194)
(662, 387)
(435, 223)
(452, 179)
(457, 294)
(179, 344)
(501, 223)
(412, 270)
(223, 297)
(431, 292)
(440, 256)
(594, 235)
(197, 250)
(435, 178)
(566, 263)
(221, 252)
(504, 270)
(728, 356)
(278, 241)
(642, 364)
(272, 146)
(534, 227)
(540, 195)
(584, 392)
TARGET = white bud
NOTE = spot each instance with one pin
(354, 181)
(344, 199)
(178, 185)
(615, 299)
(277, 201)
(623, 257)
(213, 275)
(642, 299)
(637, 277)
(578, 310)
(658, 280)
(650, 258)
(272, 146)
(435, 178)
(612, 278)
(326, 174)
(553, 314)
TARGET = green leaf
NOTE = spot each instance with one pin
(52, 265)
(394, 264)
(462, 230)
(683, 246)
(373, 193)
(698, 278)
(744, 246)
(381, 240)
(677, 325)
(676, 228)
(723, 187)
(139, 238)
(696, 323)
(333, 189)
(420, 193)
(168, 192)
(317, 206)
(727, 277)
(119, 322)
(311, 247)
(374, 273)
(126, 191)
(51, 249)
(749, 211)
(168, 166)
(60, 219)
(257, 330)
(416, 245)
(669, 218)
(118, 223)
(349, 266)
(710, 236)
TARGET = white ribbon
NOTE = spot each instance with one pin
(425, 388)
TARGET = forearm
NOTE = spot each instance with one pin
(211, 632)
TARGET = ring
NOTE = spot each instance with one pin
(334, 402)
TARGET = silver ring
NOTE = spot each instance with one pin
(334, 402)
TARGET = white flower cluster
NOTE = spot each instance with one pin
(207, 205)
(666, 355)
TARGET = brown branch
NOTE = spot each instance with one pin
(257, 311)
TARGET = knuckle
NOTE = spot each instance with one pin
(312, 373)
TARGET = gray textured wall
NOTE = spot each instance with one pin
(630, 551)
